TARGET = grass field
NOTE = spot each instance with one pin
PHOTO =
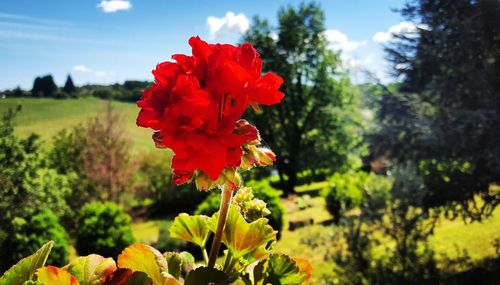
(46, 117)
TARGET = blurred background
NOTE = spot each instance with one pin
(387, 141)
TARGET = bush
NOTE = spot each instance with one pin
(103, 228)
(345, 193)
(29, 232)
(155, 173)
(165, 242)
(263, 191)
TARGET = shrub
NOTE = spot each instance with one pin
(103, 228)
(30, 232)
(155, 172)
(263, 191)
(345, 193)
(165, 242)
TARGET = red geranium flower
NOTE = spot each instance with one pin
(196, 102)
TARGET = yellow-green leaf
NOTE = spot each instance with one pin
(51, 275)
(26, 267)
(242, 237)
(92, 269)
(193, 229)
(281, 269)
(144, 258)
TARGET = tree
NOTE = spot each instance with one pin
(26, 184)
(446, 113)
(313, 127)
(69, 87)
(44, 86)
(106, 157)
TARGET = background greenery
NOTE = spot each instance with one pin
(406, 196)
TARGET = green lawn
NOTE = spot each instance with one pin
(46, 117)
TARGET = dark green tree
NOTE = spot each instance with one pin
(44, 86)
(309, 129)
(26, 184)
(69, 86)
(446, 113)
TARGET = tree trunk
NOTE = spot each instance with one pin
(290, 183)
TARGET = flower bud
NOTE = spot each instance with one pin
(232, 177)
(203, 182)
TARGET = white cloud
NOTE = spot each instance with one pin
(404, 28)
(338, 41)
(98, 73)
(81, 68)
(111, 6)
(228, 25)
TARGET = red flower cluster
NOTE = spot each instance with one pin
(195, 105)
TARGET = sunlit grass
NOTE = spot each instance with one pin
(46, 117)
(147, 231)
(477, 238)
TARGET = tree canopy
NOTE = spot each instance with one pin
(313, 127)
(446, 112)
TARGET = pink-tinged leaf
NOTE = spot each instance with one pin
(51, 275)
(305, 268)
(144, 258)
(124, 276)
(92, 269)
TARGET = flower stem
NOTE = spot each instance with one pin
(224, 209)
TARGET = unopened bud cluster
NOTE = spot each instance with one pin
(251, 207)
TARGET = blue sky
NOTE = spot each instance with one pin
(107, 41)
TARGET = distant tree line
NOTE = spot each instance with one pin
(45, 87)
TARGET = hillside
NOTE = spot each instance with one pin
(47, 116)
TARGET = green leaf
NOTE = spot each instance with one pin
(124, 276)
(144, 258)
(188, 262)
(242, 237)
(205, 276)
(193, 229)
(174, 261)
(92, 269)
(51, 275)
(26, 267)
(278, 269)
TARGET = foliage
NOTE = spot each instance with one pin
(405, 255)
(165, 242)
(106, 159)
(44, 86)
(345, 193)
(449, 88)
(103, 228)
(30, 231)
(69, 86)
(156, 185)
(318, 96)
(27, 184)
(262, 191)
(142, 264)
(25, 269)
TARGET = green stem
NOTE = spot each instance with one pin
(228, 261)
(224, 209)
(205, 255)
(231, 265)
